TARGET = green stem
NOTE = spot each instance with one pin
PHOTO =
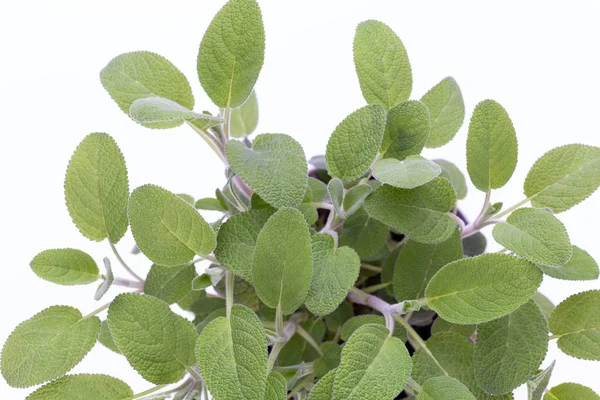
(146, 392)
(308, 337)
(513, 208)
(370, 267)
(226, 125)
(413, 384)
(273, 355)
(193, 373)
(228, 292)
(114, 249)
(97, 311)
(211, 141)
(301, 385)
(374, 288)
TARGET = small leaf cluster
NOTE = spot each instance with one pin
(318, 277)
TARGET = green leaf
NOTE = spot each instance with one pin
(209, 203)
(406, 130)
(96, 188)
(418, 263)
(563, 177)
(276, 387)
(576, 324)
(536, 235)
(332, 353)
(355, 197)
(161, 113)
(381, 64)
(65, 267)
(231, 53)
(510, 349)
(336, 319)
(440, 325)
(420, 213)
(282, 261)
(447, 110)
(232, 355)
(170, 284)
(334, 272)
(544, 304)
(158, 343)
(108, 280)
(483, 288)
(140, 74)
(297, 349)
(352, 324)
(537, 384)
(167, 229)
(491, 146)
(84, 386)
(323, 390)
(318, 189)
(243, 293)
(244, 119)
(47, 345)
(580, 267)
(414, 171)
(455, 176)
(571, 391)
(201, 282)
(444, 388)
(474, 245)
(335, 189)
(373, 366)
(105, 337)
(354, 144)
(364, 234)
(275, 168)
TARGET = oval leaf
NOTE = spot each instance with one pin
(324, 388)
(355, 197)
(537, 384)
(444, 388)
(161, 113)
(571, 391)
(447, 110)
(276, 387)
(105, 337)
(84, 386)
(335, 189)
(65, 267)
(581, 267)
(414, 171)
(364, 234)
(455, 176)
(170, 284)
(406, 131)
(244, 119)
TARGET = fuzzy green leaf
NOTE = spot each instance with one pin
(336, 319)
(363, 234)
(232, 355)
(351, 325)
(282, 261)
(354, 144)
(158, 343)
(276, 387)
(440, 325)
(243, 293)
(96, 188)
(335, 189)
(406, 131)
(491, 146)
(65, 267)
(563, 177)
(414, 171)
(576, 324)
(581, 267)
(537, 384)
(536, 235)
(105, 337)
(323, 390)
(275, 168)
(355, 197)
(318, 189)
(161, 113)
(332, 353)
(209, 203)
(83, 387)
(444, 388)
(170, 284)
(381, 64)
(455, 176)
(545, 305)
(447, 110)
(244, 119)
(571, 391)
(421, 213)
(483, 288)
(47, 345)
(167, 229)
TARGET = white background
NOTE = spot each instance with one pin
(538, 59)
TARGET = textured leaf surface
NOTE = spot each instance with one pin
(275, 168)
(276, 387)
(447, 110)
(576, 323)
(355, 197)
(65, 267)
(381, 64)
(243, 293)
(581, 267)
(455, 176)
(232, 355)
(373, 366)
(161, 113)
(491, 146)
(244, 119)
(47, 345)
(545, 305)
(324, 388)
(232, 52)
(535, 235)
(571, 391)
(335, 189)
(158, 343)
(440, 325)
(332, 353)
(282, 262)
(297, 349)
(420, 213)
(167, 229)
(352, 324)
(406, 131)
(83, 387)
(563, 177)
(483, 288)
(170, 284)
(97, 189)
(444, 388)
(105, 337)
(510, 349)
(410, 173)
(336, 319)
(355, 142)
(334, 272)
(537, 384)
(364, 234)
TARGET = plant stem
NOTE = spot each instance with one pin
(211, 141)
(513, 208)
(97, 311)
(273, 355)
(370, 267)
(413, 384)
(193, 373)
(127, 283)
(228, 292)
(358, 296)
(114, 249)
(308, 337)
(374, 288)
(301, 385)
(149, 391)
(227, 125)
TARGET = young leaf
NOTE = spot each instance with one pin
(167, 229)
(282, 261)
(209, 203)
(232, 355)
(536, 235)
(363, 234)
(355, 142)
(420, 213)
(334, 272)
(105, 337)
(563, 177)
(332, 353)
(84, 386)
(440, 325)
(161, 113)
(537, 384)
(571, 391)
(414, 171)
(576, 324)
(381, 64)
(47, 345)
(406, 130)
(65, 267)
(491, 146)
(444, 388)
(483, 288)
(580, 267)
(275, 168)
(276, 387)
(335, 189)
(232, 52)
(510, 349)
(244, 119)
(158, 343)
(545, 305)
(336, 319)
(355, 197)
(323, 390)
(417, 263)
(170, 284)
(108, 280)
(201, 282)
(447, 110)
(96, 188)
(455, 176)
(318, 189)
(141, 74)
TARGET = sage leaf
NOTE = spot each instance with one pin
(243, 293)
(571, 391)
(455, 176)
(276, 387)
(108, 280)
(169, 284)
(161, 113)
(324, 388)
(537, 384)
(363, 234)
(105, 337)
(580, 267)
(351, 325)
(336, 319)
(444, 388)
(84, 386)
(65, 267)
(447, 110)
(355, 197)
(209, 203)
(335, 189)
(297, 349)
(545, 305)
(244, 119)
(332, 353)
(410, 173)
(440, 325)
(406, 131)
(318, 189)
